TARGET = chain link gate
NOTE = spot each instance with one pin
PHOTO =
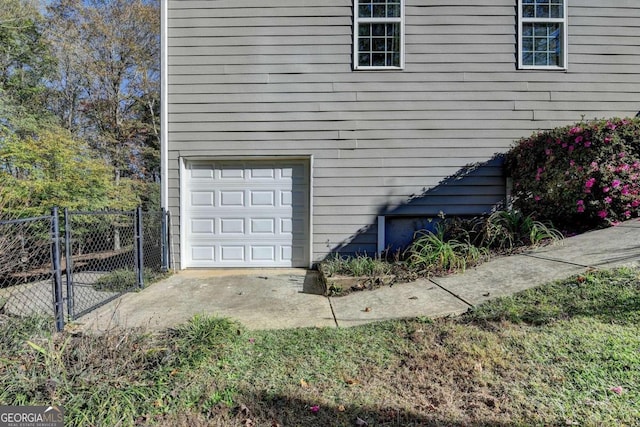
(101, 258)
(66, 267)
(110, 253)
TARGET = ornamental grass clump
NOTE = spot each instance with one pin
(579, 177)
(435, 252)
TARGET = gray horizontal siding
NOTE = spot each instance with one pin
(274, 78)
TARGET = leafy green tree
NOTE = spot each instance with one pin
(52, 168)
(25, 58)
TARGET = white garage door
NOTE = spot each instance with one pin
(246, 214)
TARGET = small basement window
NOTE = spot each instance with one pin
(542, 34)
(378, 34)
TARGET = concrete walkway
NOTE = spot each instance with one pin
(273, 299)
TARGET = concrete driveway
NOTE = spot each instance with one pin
(285, 298)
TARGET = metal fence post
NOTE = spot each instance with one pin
(68, 258)
(57, 275)
(139, 255)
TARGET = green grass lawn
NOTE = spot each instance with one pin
(567, 353)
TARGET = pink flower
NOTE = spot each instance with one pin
(587, 144)
(590, 182)
(627, 214)
(615, 183)
(537, 198)
(579, 139)
(622, 154)
(602, 214)
(625, 190)
(575, 130)
(611, 126)
(572, 163)
(607, 140)
(617, 390)
(571, 148)
(635, 203)
(315, 409)
(608, 200)
(547, 151)
(606, 189)
(580, 209)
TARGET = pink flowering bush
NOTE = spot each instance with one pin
(579, 177)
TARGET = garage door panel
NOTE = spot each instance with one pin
(232, 253)
(205, 226)
(231, 198)
(232, 226)
(263, 225)
(202, 198)
(262, 199)
(203, 253)
(231, 172)
(262, 173)
(263, 253)
(202, 172)
(247, 214)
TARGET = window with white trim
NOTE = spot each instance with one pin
(378, 34)
(542, 34)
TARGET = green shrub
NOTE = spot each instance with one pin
(434, 252)
(581, 176)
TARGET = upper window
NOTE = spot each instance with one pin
(378, 34)
(542, 34)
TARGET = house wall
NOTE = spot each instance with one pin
(274, 78)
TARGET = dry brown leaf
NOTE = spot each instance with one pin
(303, 383)
(351, 381)
(244, 410)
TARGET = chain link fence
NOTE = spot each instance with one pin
(26, 272)
(51, 266)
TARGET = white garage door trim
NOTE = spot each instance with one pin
(245, 213)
